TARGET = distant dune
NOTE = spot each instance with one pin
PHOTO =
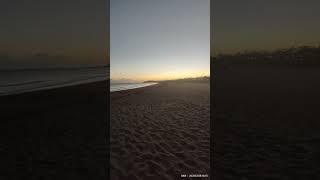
(195, 79)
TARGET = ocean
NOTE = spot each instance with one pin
(18, 81)
(127, 86)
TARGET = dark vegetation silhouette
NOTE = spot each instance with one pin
(293, 56)
(194, 79)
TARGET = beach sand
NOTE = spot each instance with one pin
(266, 122)
(55, 134)
(160, 131)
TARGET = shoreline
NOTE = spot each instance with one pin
(53, 86)
(126, 88)
(123, 93)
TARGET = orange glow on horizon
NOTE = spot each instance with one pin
(168, 76)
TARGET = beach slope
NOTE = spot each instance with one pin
(160, 131)
(266, 121)
(55, 134)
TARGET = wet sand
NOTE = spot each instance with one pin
(266, 122)
(55, 134)
(160, 131)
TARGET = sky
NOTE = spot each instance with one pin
(53, 33)
(159, 39)
(263, 24)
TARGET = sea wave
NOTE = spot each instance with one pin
(14, 82)
(121, 87)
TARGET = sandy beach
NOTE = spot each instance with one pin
(55, 134)
(266, 122)
(160, 131)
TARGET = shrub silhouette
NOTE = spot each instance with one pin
(294, 56)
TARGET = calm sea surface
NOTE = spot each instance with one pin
(18, 81)
(127, 86)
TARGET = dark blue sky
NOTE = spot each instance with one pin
(159, 39)
(153, 33)
(263, 24)
(69, 32)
